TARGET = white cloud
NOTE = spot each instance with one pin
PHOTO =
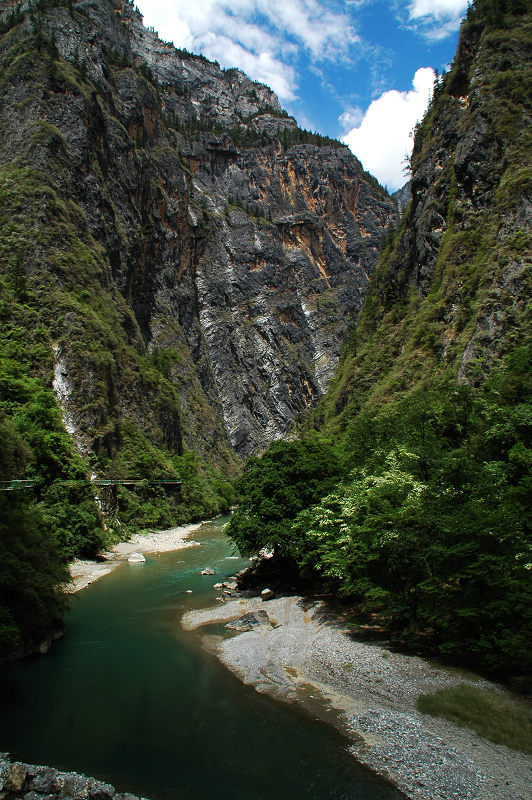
(383, 139)
(439, 9)
(262, 37)
(351, 118)
(263, 67)
(436, 19)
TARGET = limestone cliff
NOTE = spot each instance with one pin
(194, 258)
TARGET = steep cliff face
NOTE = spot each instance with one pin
(450, 296)
(194, 257)
(276, 284)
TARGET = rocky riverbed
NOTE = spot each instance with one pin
(30, 782)
(293, 650)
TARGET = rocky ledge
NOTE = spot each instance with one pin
(30, 782)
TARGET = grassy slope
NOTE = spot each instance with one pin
(492, 715)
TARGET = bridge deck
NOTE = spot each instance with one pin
(9, 486)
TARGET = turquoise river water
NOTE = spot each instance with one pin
(129, 697)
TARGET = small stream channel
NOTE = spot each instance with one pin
(130, 698)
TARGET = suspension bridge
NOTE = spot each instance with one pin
(31, 483)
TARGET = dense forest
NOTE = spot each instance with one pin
(409, 493)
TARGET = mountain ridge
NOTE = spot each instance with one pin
(196, 193)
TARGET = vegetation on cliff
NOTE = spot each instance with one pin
(430, 411)
(58, 304)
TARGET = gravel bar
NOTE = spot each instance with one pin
(370, 694)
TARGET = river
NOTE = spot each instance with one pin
(130, 698)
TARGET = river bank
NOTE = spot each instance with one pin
(31, 782)
(85, 572)
(296, 652)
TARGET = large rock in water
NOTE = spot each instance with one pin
(223, 250)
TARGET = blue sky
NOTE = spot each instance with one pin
(357, 70)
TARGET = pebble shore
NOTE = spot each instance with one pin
(302, 655)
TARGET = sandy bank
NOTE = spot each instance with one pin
(83, 573)
(302, 655)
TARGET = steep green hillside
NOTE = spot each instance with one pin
(68, 334)
(451, 294)
(430, 411)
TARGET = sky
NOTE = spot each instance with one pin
(357, 70)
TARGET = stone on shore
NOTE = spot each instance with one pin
(267, 594)
(45, 782)
(14, 780)
(247, 622)
(136, 558)
(101, 791)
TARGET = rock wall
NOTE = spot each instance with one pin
(232, 248)
(470, 194)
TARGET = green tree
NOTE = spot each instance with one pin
(275, 488)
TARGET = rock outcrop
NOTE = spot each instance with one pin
(470, 193)
(30, 782)
(194, 257)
